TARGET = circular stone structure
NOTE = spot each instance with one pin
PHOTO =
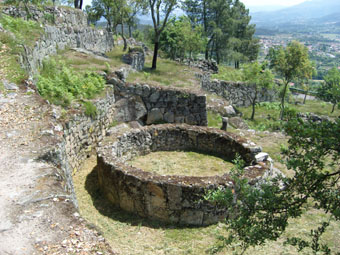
(172, 198)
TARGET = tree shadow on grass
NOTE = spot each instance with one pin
(107, 209)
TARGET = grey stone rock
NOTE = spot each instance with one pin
(169, 117)
(130, 109)
(9, 85)
(229, 111)
(262, 156)
(154, 116)
(238, 122)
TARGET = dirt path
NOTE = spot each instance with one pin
(36, 215)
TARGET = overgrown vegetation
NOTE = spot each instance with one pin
(261, 213)
(60, 84)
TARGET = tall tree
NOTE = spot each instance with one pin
(330, 90)
(160, 12)
(92, 15)
(78, 4)
(106, 8)
(257, 78)
(291, 62)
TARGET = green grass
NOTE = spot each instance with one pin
(168, 73)
(214, 120)
(186, 163)
(227, 73)
(130, 234)
(267, 114)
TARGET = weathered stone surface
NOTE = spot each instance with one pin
(235, 93)
(70, 30)
(238, 122)
(130, 109)
(9, 86)
(135, 57)
(154, 116)
(175, 199)
(166, 104)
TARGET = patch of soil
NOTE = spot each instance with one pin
(37, 216)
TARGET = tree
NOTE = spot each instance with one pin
(179, 39)
(291, 62)
(157, 8)
(92, 15)
(78, 4)
(226, 25)
(330, 90)
(261, 212)
(258, 79)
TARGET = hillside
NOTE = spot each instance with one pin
(304, 13)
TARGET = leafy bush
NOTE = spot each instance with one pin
(25, 31)
(90, 109)
(269, 105)
(60, 84)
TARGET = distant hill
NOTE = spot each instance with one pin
(306, 12)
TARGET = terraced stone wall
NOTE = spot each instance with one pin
(174, 199)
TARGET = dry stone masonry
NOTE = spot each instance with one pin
(235, 92)
(70, 30)
(172, 199)
(162, 105)
(135, 57)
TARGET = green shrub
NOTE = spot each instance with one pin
(60, 84)
(90, 109)
(25, 31)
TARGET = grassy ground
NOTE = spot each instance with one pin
(182, 163)
(267, 114)
(168, 73)
(228, 73)
(130, 234)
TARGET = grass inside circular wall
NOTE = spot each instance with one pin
(185, 163)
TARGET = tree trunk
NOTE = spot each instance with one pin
(253, 105)
(304, 99)
(283, 100)
(155, 54)
(76, 3)
(81, 4)
(130, 32)
(124, 39)
(333, 107)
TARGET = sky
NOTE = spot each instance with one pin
(272, 2)
(251, 2)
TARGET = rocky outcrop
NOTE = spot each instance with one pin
(135, 58)
(69, 30)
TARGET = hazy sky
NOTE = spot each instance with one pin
(251, 2)
(271, 2)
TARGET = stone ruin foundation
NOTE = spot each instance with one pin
(172, 199)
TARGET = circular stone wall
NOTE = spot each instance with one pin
(175, 199)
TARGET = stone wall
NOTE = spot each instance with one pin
(70, 30)
(165, 105)
(81, 134)
(135, 58)
(235, 92)
(175, 199)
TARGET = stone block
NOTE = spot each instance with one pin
(154, 116)
(191, 217)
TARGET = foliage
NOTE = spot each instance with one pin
(159, 8)
(179, 39)
(60, 84)
(26, 4)
(330, 90)
(227, 73)
(226, 24)
(90, 109)
(92, 15)
(290, 63)
(258, 79)
(25, 31)
(261, 212)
